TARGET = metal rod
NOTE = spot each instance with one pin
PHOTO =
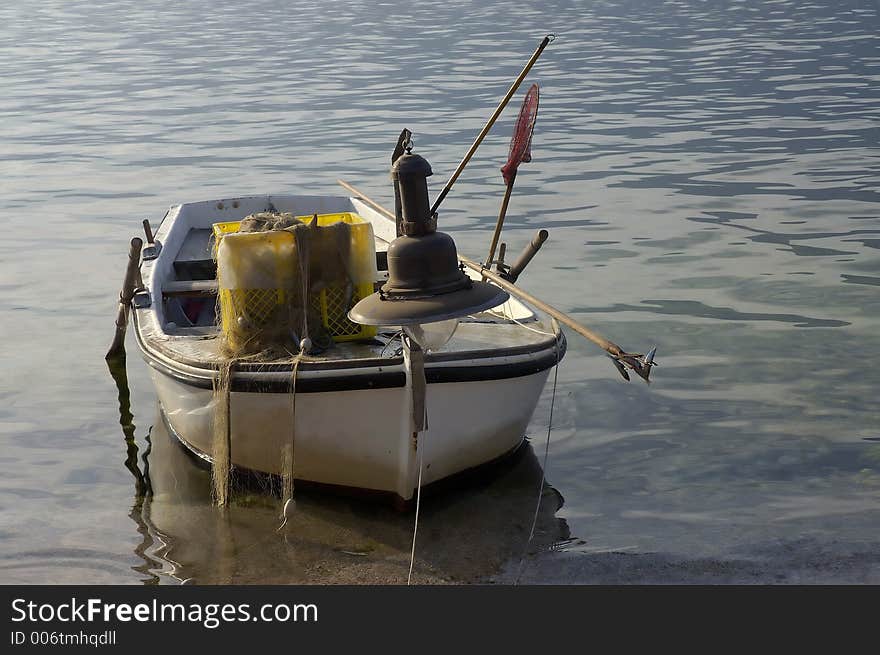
(148, 231)
(513, 87)
(125, 295)
(609, 346)
(527, 255)
(501, 214)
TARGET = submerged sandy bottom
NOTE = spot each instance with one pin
(475, 532)
(796, 562)
(467, 533)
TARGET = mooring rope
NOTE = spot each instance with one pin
(546, 455)
(412, 554)
(287, 452)
(397, 335)
(415, 363)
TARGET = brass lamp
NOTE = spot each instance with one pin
(426, 285)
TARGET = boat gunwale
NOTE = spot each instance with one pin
(358, 372)
(377, 374)
(318, 364)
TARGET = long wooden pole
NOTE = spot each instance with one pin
(500, 222)
(476, 144)
(609, 346)
(117, 348)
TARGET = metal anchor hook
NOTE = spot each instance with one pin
(640, 364)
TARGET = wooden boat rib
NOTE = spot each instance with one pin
(350, 425)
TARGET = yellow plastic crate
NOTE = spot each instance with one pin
(329, 302)
(324, 220)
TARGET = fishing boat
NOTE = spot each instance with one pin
(350, 421)
(328, 340)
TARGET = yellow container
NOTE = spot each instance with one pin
(256, 278)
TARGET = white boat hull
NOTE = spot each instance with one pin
(361, 438)
(350, 422)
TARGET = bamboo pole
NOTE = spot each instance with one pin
(513, 87)
(500, 222)
(117, 348)
(620, 356)
(609, 346)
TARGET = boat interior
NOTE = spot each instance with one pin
(184, 287)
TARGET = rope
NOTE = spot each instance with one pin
(287, 453)
(397, 335)
(537, 331)
(418, 386)
(412, 554)
(544, 464)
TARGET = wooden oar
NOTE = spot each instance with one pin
(640, 364)
(117, 348)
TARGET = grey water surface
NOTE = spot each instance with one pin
(708, 172)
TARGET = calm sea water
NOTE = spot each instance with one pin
(709, 175)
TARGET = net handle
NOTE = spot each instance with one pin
(520, 151)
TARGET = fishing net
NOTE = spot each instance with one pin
(521, 143)
(283, 280)
(220, 444)
(286, 284)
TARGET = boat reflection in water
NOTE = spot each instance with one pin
(468, 531)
